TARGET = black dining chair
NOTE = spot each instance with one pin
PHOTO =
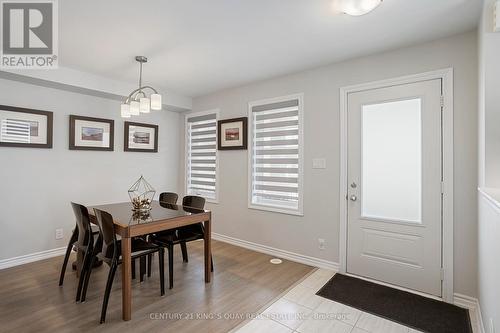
(182, 235)
(166, 199)
(71, 245)
(111, 255)
(84, 242)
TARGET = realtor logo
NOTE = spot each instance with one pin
(29, 34)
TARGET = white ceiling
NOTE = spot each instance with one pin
(199, 46)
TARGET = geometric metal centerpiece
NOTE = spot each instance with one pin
(141, 195)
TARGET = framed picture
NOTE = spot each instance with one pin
(141, 137)
(87, 133)
(232, 134)
(27, 128)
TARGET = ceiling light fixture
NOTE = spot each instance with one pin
(138, 102)
(355, 7)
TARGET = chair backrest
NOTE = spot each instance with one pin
(169, 197)
(193, 201)
(83, 224)
(196, 202)
(107, 232)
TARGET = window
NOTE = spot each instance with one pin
(201, 155)
(276, 155)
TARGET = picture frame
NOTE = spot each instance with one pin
(232, 134)
(25, 128)
(139, 137)
(88, 133)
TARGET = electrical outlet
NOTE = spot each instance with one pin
(59, 233)
(492, 327)
(321, 243)
(319, 163)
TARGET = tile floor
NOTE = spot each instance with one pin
(301, 311)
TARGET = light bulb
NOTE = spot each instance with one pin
(355, 7)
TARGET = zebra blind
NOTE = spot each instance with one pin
(276, 155)
(202, 155)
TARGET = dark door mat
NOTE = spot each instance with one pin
(418, 312)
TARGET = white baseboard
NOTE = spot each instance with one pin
(300, 258)
(11, 262)
(472, 304)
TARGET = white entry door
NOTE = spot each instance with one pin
(394, 185)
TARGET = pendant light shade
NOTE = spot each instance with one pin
(125, 110)
(135, 108)
(155, 101)
(144, 105)
(355, 7)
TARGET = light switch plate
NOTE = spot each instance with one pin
(319, 163)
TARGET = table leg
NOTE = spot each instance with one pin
(126, 279)
(208, 248)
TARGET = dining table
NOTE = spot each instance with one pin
(162, 216)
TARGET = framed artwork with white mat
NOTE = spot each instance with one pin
(232, 134)
(87, 133)
(141, 137)
(25, 128)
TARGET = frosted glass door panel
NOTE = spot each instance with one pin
(392, 161)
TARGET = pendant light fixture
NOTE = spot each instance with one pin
(138, 102)
(355, 7)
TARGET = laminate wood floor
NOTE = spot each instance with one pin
(243, 282)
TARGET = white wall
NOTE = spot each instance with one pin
(489, 170)
(37, 185)
(490, 81)
(321, 127)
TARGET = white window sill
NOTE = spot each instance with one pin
(212, 201)
(276, 210)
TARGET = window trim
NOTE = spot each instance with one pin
(300, 210)
(186, 138)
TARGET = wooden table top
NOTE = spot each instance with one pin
(125, 217)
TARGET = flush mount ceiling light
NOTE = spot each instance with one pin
(355, 7)
(138, 102)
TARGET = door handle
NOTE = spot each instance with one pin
(353, 198)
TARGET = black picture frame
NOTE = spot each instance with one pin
(126, 144)
(244, 134)
(50, 126)
(72, 129)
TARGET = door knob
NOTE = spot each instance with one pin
(353, 198)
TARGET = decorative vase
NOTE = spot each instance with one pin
(141, 195)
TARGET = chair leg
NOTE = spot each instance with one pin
(184, 252)
(87, 278)
(142, 269)
(133, 268)
(171, 266)
(65, 263)
(83, 273)
(212, 263)
(161, 263)
(150, 261)
(109, 284)
(73, 239)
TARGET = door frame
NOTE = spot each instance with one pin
(447, 153)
